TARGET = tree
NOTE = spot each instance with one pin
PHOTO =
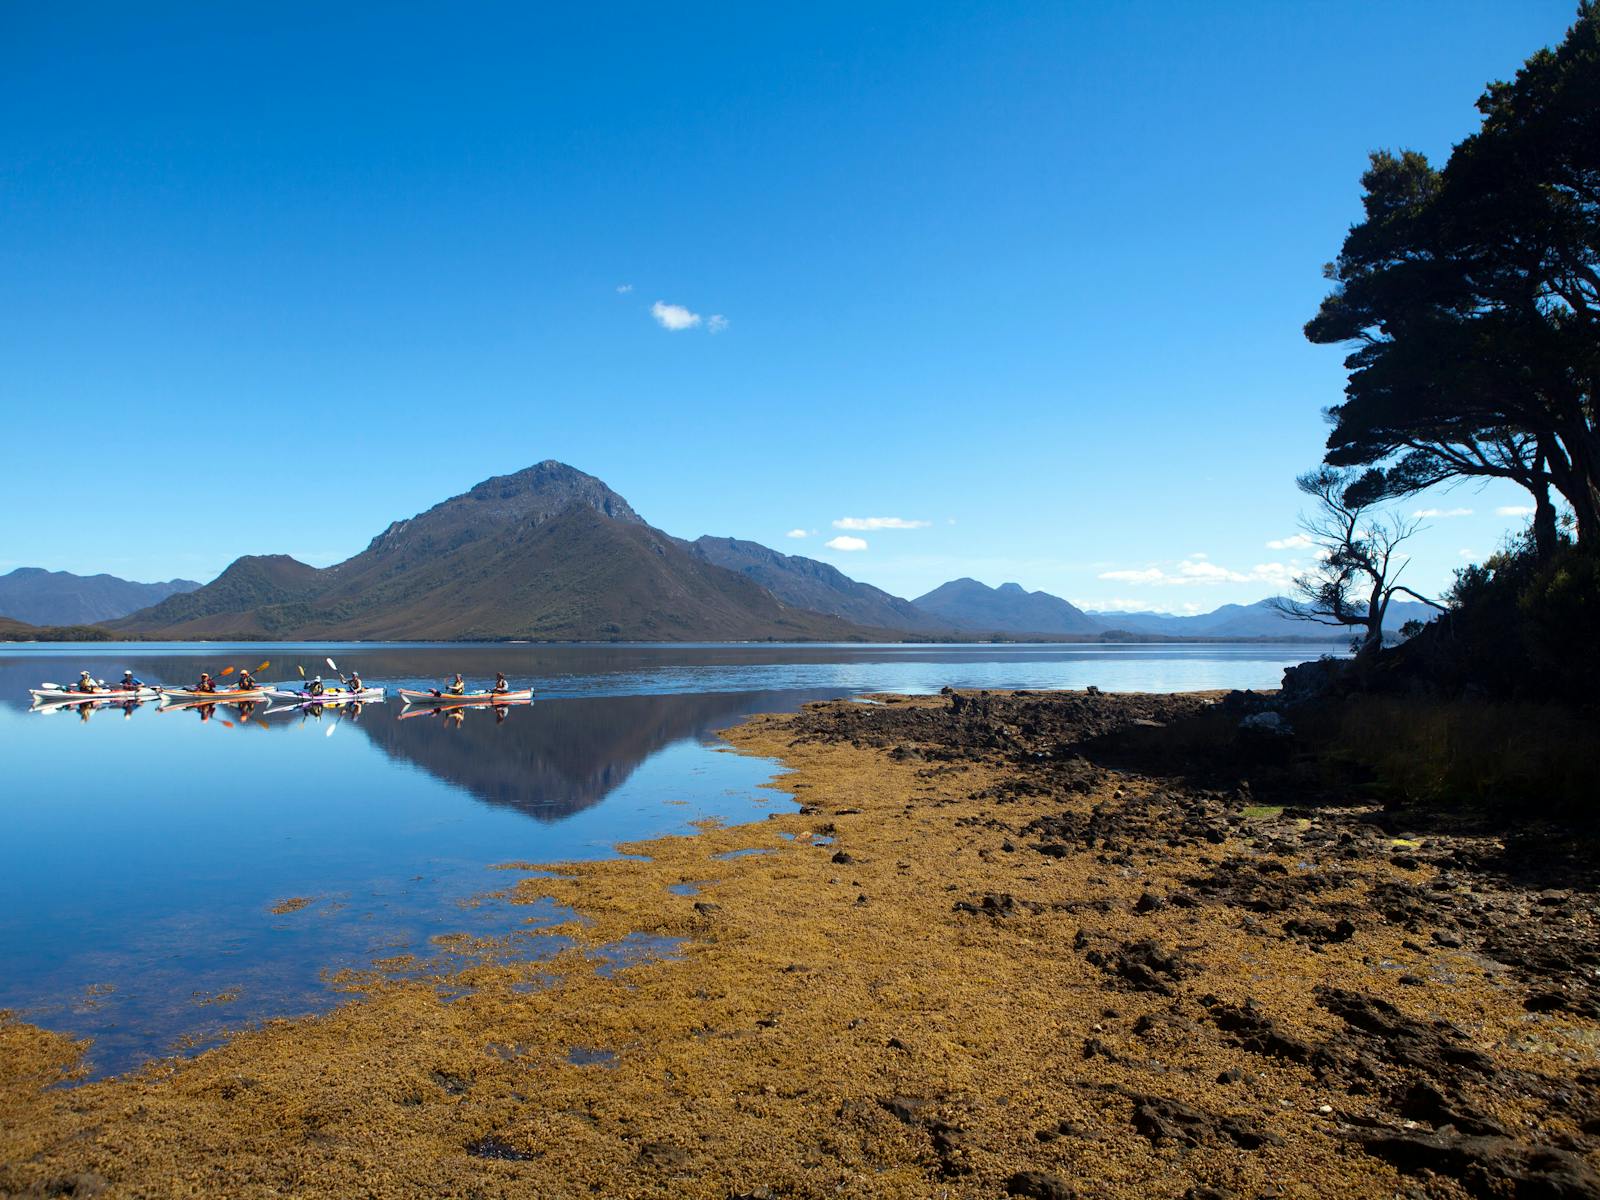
(1358, 567)
(1472, 296)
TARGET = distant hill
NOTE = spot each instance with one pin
(548, 553)
(1258, 620)
(974, 607)
(18, 631)
(39, 597)
(807, 583)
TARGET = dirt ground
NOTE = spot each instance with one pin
(988, 957)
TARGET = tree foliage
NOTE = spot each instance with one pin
(1358, 555)
(1471, 295)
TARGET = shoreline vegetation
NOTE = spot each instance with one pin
(1032, 944)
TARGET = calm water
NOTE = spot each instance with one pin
(142, 853)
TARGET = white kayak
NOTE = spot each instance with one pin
(328, 696)
(63, 695)
(411, 697)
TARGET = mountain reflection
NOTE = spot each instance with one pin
(555, 758)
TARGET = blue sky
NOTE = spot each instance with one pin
(1030, 274)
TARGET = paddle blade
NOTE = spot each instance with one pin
(331, 728)
(227, 724)
(263, 666)
(332, 666)
(225, 672)
(301, 669)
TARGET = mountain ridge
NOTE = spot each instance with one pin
(548, 553)
(36, 596)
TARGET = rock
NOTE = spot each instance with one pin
(1489, 1165)
(843, 858)
(905, 1109)
(1319, 933)
(997, 906)
(1149, 902)
(1144, 966)
(1172, 1121)
(1038, 1186)
(1270, 723)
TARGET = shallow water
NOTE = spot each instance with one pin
(144, 852)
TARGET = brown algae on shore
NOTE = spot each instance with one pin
(953, 994)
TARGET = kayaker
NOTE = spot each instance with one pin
(456, 687)
(500, 684)
(86, 682)
(247, 681)
(353, 683)
(206, 684)
(315, 688)
(129, 683)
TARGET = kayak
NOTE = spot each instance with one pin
(62, 695)
(411, 697)
(55, 706)
(330, 696)
(460, 709)
(179, 695)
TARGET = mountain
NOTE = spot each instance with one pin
(973, 606)
(39, 597)
(807, 583)
(548, 553)
(1258, 620)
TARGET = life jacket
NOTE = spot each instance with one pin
(457, 687)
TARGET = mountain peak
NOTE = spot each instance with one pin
(1012, 589)
(545, 489)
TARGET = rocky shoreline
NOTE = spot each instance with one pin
(1046, 945)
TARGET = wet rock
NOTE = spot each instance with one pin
(1149, 902)
(1144, 966)
(996, 906)
(1172, 1122)
(1489, 1166)
(1424, 1046)
(495, 1147)
(1039, 1186)
(905, 1109)
(1253, 1030)
(1319, 933)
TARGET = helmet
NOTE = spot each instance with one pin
(205, 674)
(318, 679)
(83, 674)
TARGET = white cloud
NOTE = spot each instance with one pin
(844, 542)
(674, 317)
(1294, 541)
(1514, 510)
(797, 533)
(1469, 554)
(1442, 512)
(1198, 570)
(624, 288)
(717, 323)
(870, 523)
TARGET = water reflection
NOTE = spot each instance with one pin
(166, 874)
